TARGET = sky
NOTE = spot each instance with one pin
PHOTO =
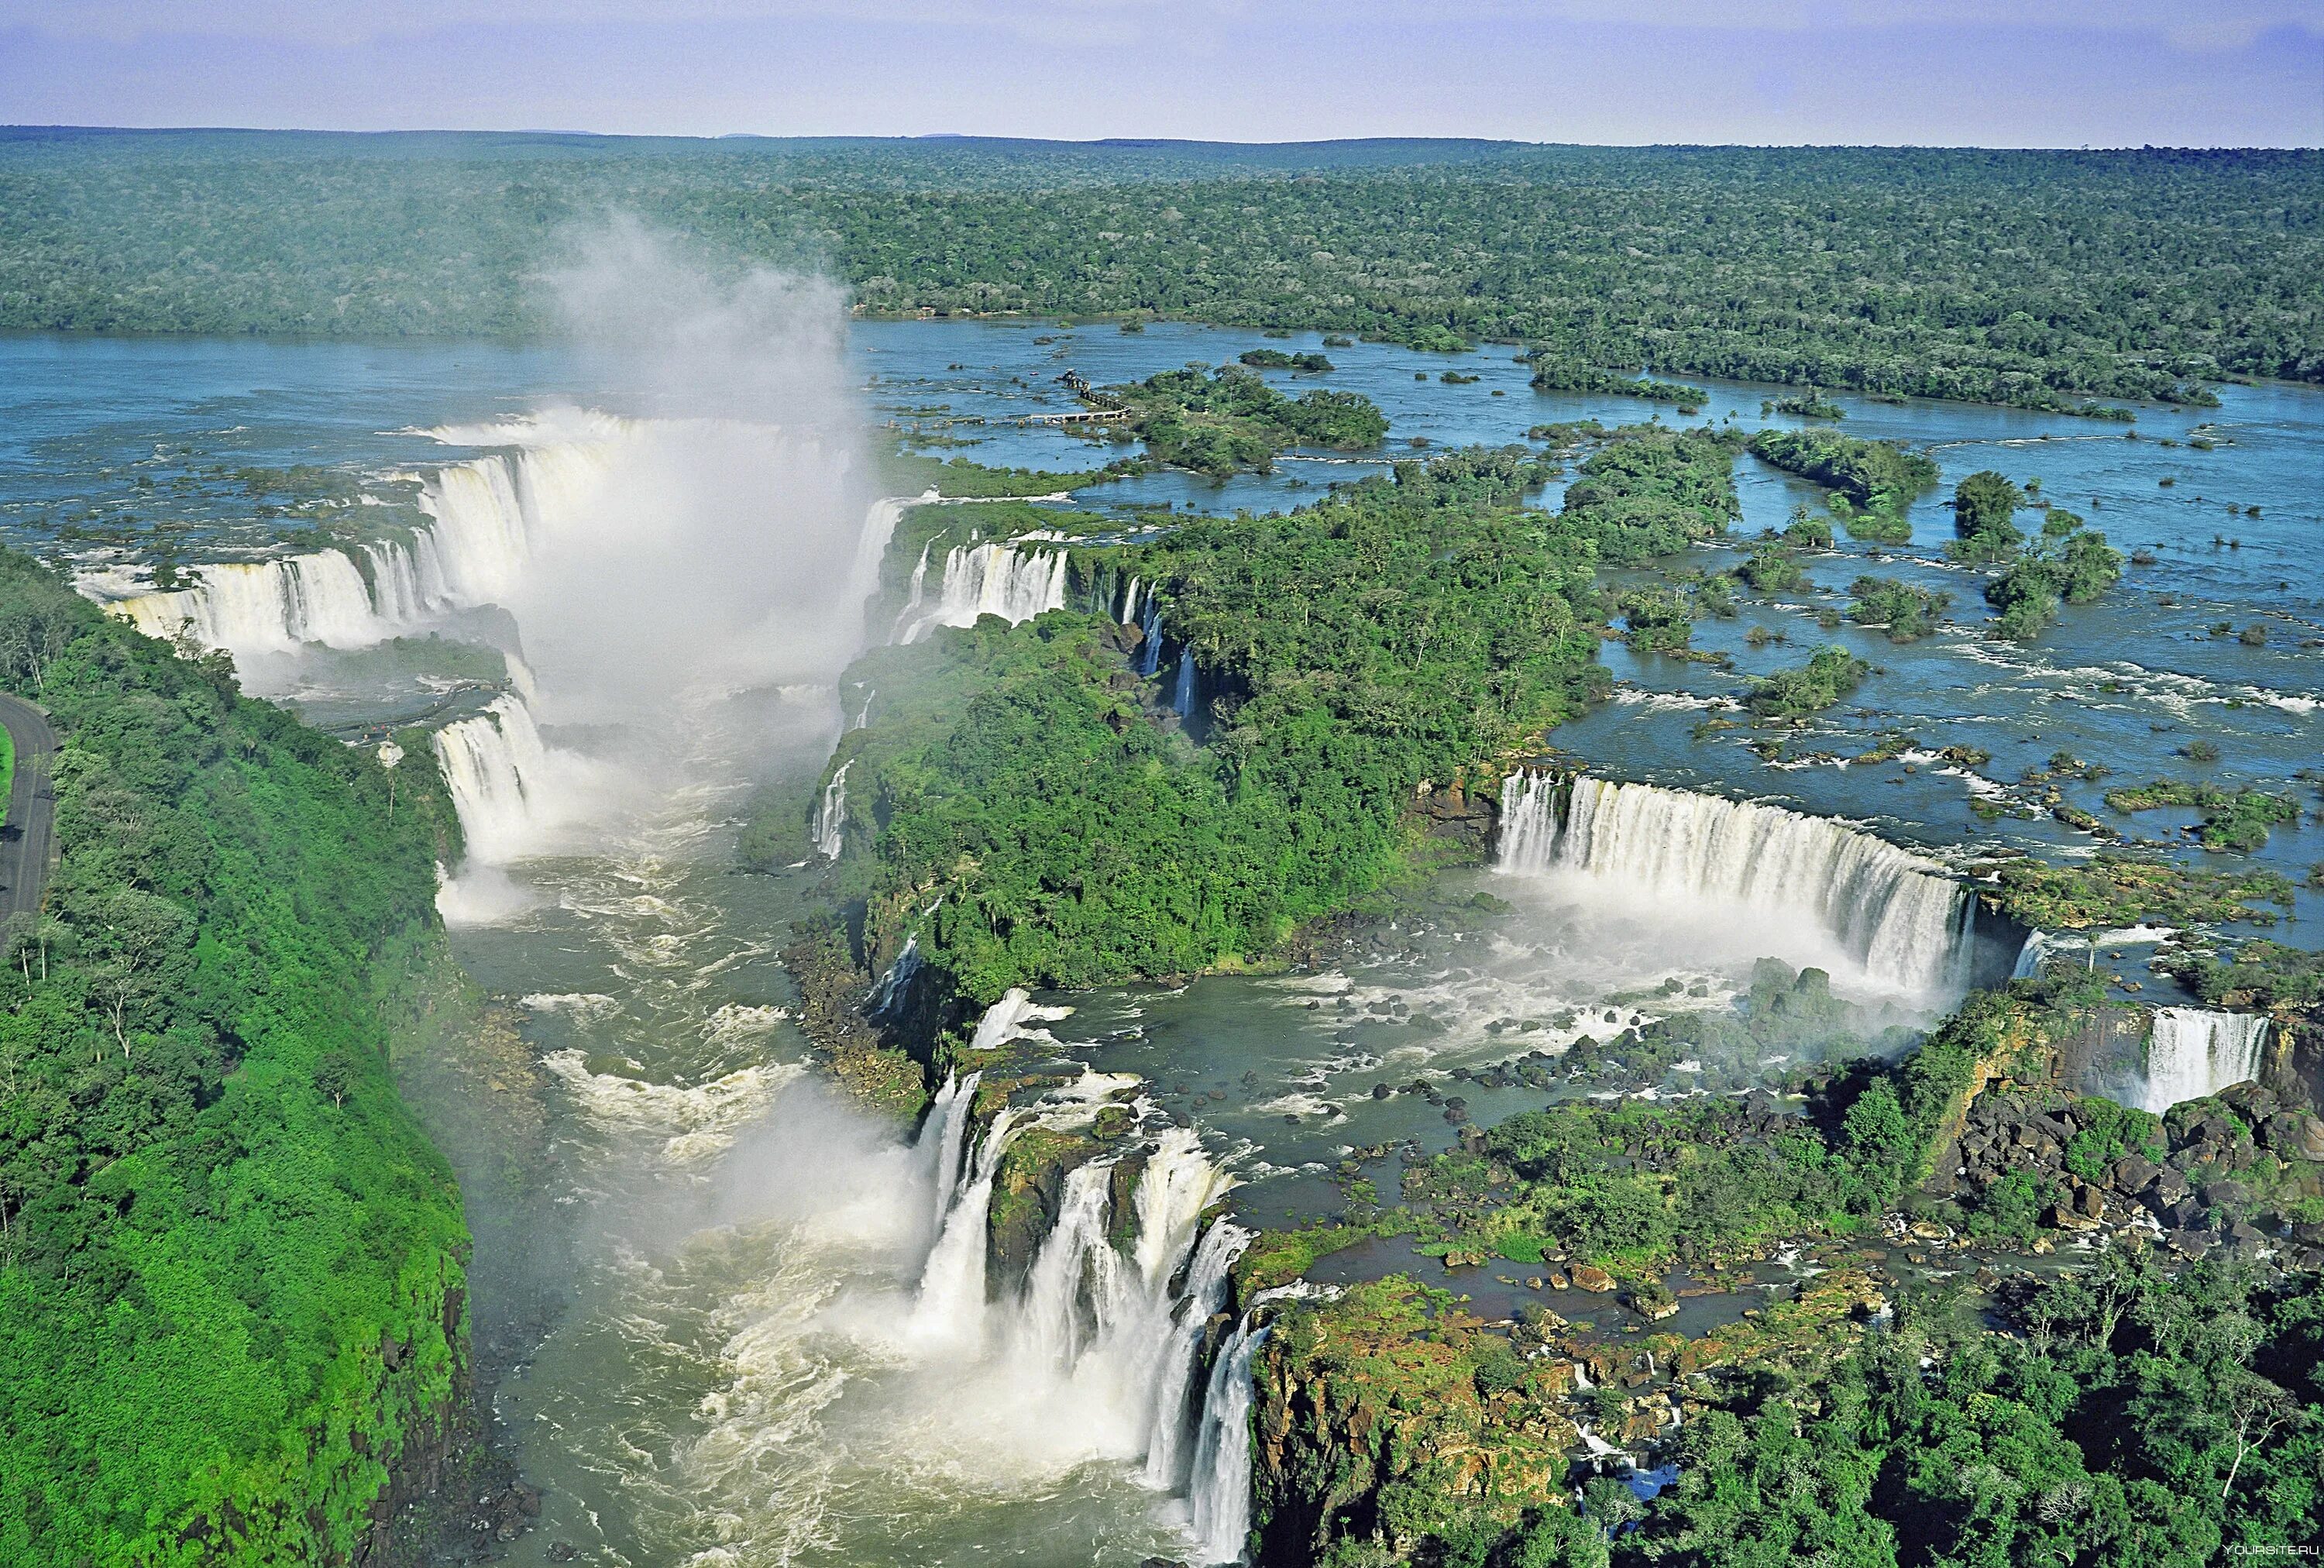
(2017, 73)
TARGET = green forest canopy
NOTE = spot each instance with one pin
(231, 1280)
(2013, 277)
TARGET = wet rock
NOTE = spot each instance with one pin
(562, 1552)
(2131, 1174)
(1591, 1278)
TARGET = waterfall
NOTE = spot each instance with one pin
(265, 606)
(1220, 1490)
(496, 768)
(2037, 947)
(831, 815)
(1049, 1322)
(1529, 821)
(994, 579)
(1129, 616)
(1168, 1453)
(945, 1134)
(2194, 1053)
(897, 983)
(872, 544)
(1182, 700)
(1149, 651)
(951, 1305)
(1005, 1020)
(1902, 915)
(910, 613)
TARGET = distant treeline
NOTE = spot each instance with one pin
(2025, 278)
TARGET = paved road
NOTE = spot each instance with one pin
(28, 842)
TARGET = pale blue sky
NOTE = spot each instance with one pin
(1989, 72)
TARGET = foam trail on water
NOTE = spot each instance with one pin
(2194, 1053)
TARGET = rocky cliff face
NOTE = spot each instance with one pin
(2226, 1174)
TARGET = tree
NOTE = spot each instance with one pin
(1984, 505)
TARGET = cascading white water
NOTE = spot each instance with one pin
(1096, 1323)
(1149, 651)
(1006, 1019)
(2194, 1053)
(950, 1306)
(897, 983)
(2038, 944)
(910, 615)
(1220, 1490)
(994, 579)
(1901, 915)
(1529, 821)
(1182, 699)
(831, 815)
(264, 606)
(945, 1134)
(496, 768)
(1169, 1455)
(1050, 1330)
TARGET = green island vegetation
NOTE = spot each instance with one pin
(2118, 888)
(1034, 817)
(1830, 675)
(1658, 620)
(2133, 1416)
(1647, 492)
(1985, 508)
(232, 1289)
(1311, 363)
(1907, 612)
(1552, 373)
(2034, 278)
(7, 772)
(1807, 531)
(2231, 819)
(1810, 404)
(1218, 422)
(2261, 975)
(1772, 568)
(1878, 480)
(2070, 564)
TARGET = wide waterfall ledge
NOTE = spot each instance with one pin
(1806, 889)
